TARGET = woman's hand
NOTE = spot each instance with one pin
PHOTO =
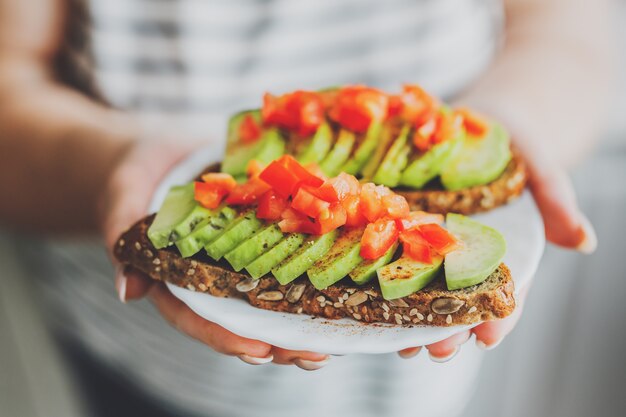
(126, 200)
(565, 225)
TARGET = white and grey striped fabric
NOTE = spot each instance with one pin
(187, 65)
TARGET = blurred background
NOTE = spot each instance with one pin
(564, 359)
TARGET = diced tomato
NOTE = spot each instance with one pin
(448, 125)
(315, 169)
(249, 130)
(335, 218)
(271, 206)
(295, 222)
(208, 195)
(220, 180)
(285, 175)
(395, 106)
(439, 238)
(475, 124)
(422, 138)
(415, 218)
(354, 216)
(356, 107)
(396, 206)
(254, 168)
(416, 247)
(248, 192)
(418, 106)
(338, 188)
(378, 238)
(300, 111)
(371, 202)
(309, 204)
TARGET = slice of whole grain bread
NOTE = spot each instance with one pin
(434, 305)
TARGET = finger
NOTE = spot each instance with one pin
(491, 333)
(565, 224)
(409, 352)
(446, 349)
(306, 360)
(131, 284)
(211, 334)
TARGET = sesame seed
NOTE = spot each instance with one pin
(202, 287)
(299, 310)
(157, 269)
(385, 307)
(449, 319)
(148, 253)
(122, 242)
(398, 318)
(386, 315)
(420, 316)
(156, 261)
(337, 305)
(137, 246)
(472, 310)
(321, 299)
(429, 318)
(406, 318)
(194, 263)
(413, 312)
(191, 271)
(357, 316)
(191, 287)
(345, 296)
(416, 320)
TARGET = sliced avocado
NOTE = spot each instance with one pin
(177, 217)
(428, 165)
(268, 147)
(339, 261)
(252, 248)
(366, 270)
(365, 150)
(205, 232)
(236, 232)
(480, 254)
(479, 161)
(318, 148)
(390, 169)
(313, 248)
(331, 165)
(386, 140)
(263, 264)
(235, 121)
(406, 276)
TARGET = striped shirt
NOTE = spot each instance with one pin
(186, 65)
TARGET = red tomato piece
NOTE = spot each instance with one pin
(295, 222)
(271, 206)
(416, 247)
(338, 188)
(422, 138)
(285, 175)
(248, 192)
(335, 218)
(395, 106)
(475, 124)
(371, 202)
(208, 195)
(300, 111)
(396, 206)
(354, 216)
(378, 238)
(220, 180)
(309, 204)
(415, 218)
(254, 168)
(418, 105)
(357, 106)
(305, 176)
(438, 238)
(448, 125)
(249, 130)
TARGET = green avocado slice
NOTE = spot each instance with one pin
(390, 169)
(255, 246)
(235, 122)
(365, 150)
(236, 232)
(268, 147)
(366, 270)
(481, 252)
(331, 165)
(313, 248)
(479, 161)
(263, 264)
(319, 146)
(406, 276)
(205, 232)
(429, 164)
(339, 261)
(177, 217)
(387, 137)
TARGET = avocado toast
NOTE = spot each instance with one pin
(288, 240)
(441, 159)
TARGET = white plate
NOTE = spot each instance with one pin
(519, 222)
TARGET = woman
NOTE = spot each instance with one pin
(172, 71)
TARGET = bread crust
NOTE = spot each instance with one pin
(434, 305)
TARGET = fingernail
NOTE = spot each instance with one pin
(442, 359)
(409, 353)
(253, 360)
(483, 346)
(311, 365)
(590, 241)
(120, 284)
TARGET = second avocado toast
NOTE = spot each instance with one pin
(290, 239)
